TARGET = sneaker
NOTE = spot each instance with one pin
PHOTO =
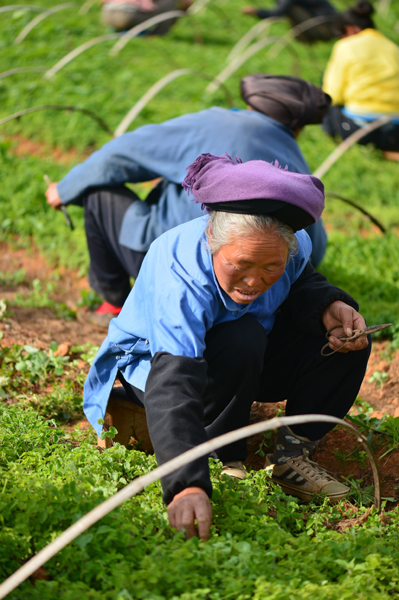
(103, 315)
(234, 468)
(299, 476)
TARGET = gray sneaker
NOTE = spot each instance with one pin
(234, 468)
(299, 476)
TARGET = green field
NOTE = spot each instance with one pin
(263, 544)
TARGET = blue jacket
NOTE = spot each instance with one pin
(176, 299)
(165, 150)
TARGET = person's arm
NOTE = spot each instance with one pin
(309, 296)
(174, 409)
(179, 306)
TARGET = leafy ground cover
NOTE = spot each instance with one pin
(264, 544)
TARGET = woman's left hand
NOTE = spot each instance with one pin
(348, 319)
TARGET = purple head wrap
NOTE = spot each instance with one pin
(255, 187)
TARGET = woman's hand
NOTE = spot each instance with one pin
(52, 196)
(249, 10)
(348, 319)
(192, 504)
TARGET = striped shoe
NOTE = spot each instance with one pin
(299, 476)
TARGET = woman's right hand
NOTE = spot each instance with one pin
(52, 196)
(249, 10)
(192, 504)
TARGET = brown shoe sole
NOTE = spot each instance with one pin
(307, 496)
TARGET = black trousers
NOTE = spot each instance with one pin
(385, 138)
(111, 265)
(246, 365)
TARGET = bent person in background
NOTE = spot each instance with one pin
(362, 77)
(227, 310)
(122, 15)
(120, 227)
(298, 12)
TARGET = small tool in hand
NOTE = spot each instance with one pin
(356, 333)
(63, 209)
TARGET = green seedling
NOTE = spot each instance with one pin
(12, 279)
(379, 377)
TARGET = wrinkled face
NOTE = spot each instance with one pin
(249, 266)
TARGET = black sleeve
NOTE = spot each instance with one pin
(309, 296)
(174, 408)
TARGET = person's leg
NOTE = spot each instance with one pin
(120, 16)
(125, 411)
(234, 353)
(337, 125)
(111, 265)
(387, 139)
(312, 384)
(295, 370)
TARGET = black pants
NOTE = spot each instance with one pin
(246, 365)
(111, 265)
(385, 138)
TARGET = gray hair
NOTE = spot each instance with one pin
(223, 227)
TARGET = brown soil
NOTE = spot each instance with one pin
(39, 327)
(24, 147)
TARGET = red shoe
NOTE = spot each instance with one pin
(103, 315)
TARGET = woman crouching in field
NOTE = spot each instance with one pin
(226, 311)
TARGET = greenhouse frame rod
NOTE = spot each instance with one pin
(135, 31)
(346, 144)
(84, 111)
(154, 90)
(360, 208)
(22, 35)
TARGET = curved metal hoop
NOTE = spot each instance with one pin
(360, 208)
(140, 483)
(237, 63)
(153, 91)
(135, 31)
(21, 70)
(261, 27)
(383, 7)
(197, 6)
(79, 50)
(84, 9)
(145, 99)
(14, 7)
(84, 111)
(346, 144)
(293, 33)
(40, 18)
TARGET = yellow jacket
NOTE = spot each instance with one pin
(363, 73)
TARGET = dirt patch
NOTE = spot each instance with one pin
(24, 147)
(40, 326)
(383, 392)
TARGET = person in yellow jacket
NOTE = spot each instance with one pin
(362, 77)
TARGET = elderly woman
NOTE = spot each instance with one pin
(226, 311)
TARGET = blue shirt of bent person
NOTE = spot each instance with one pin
(175, 300)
